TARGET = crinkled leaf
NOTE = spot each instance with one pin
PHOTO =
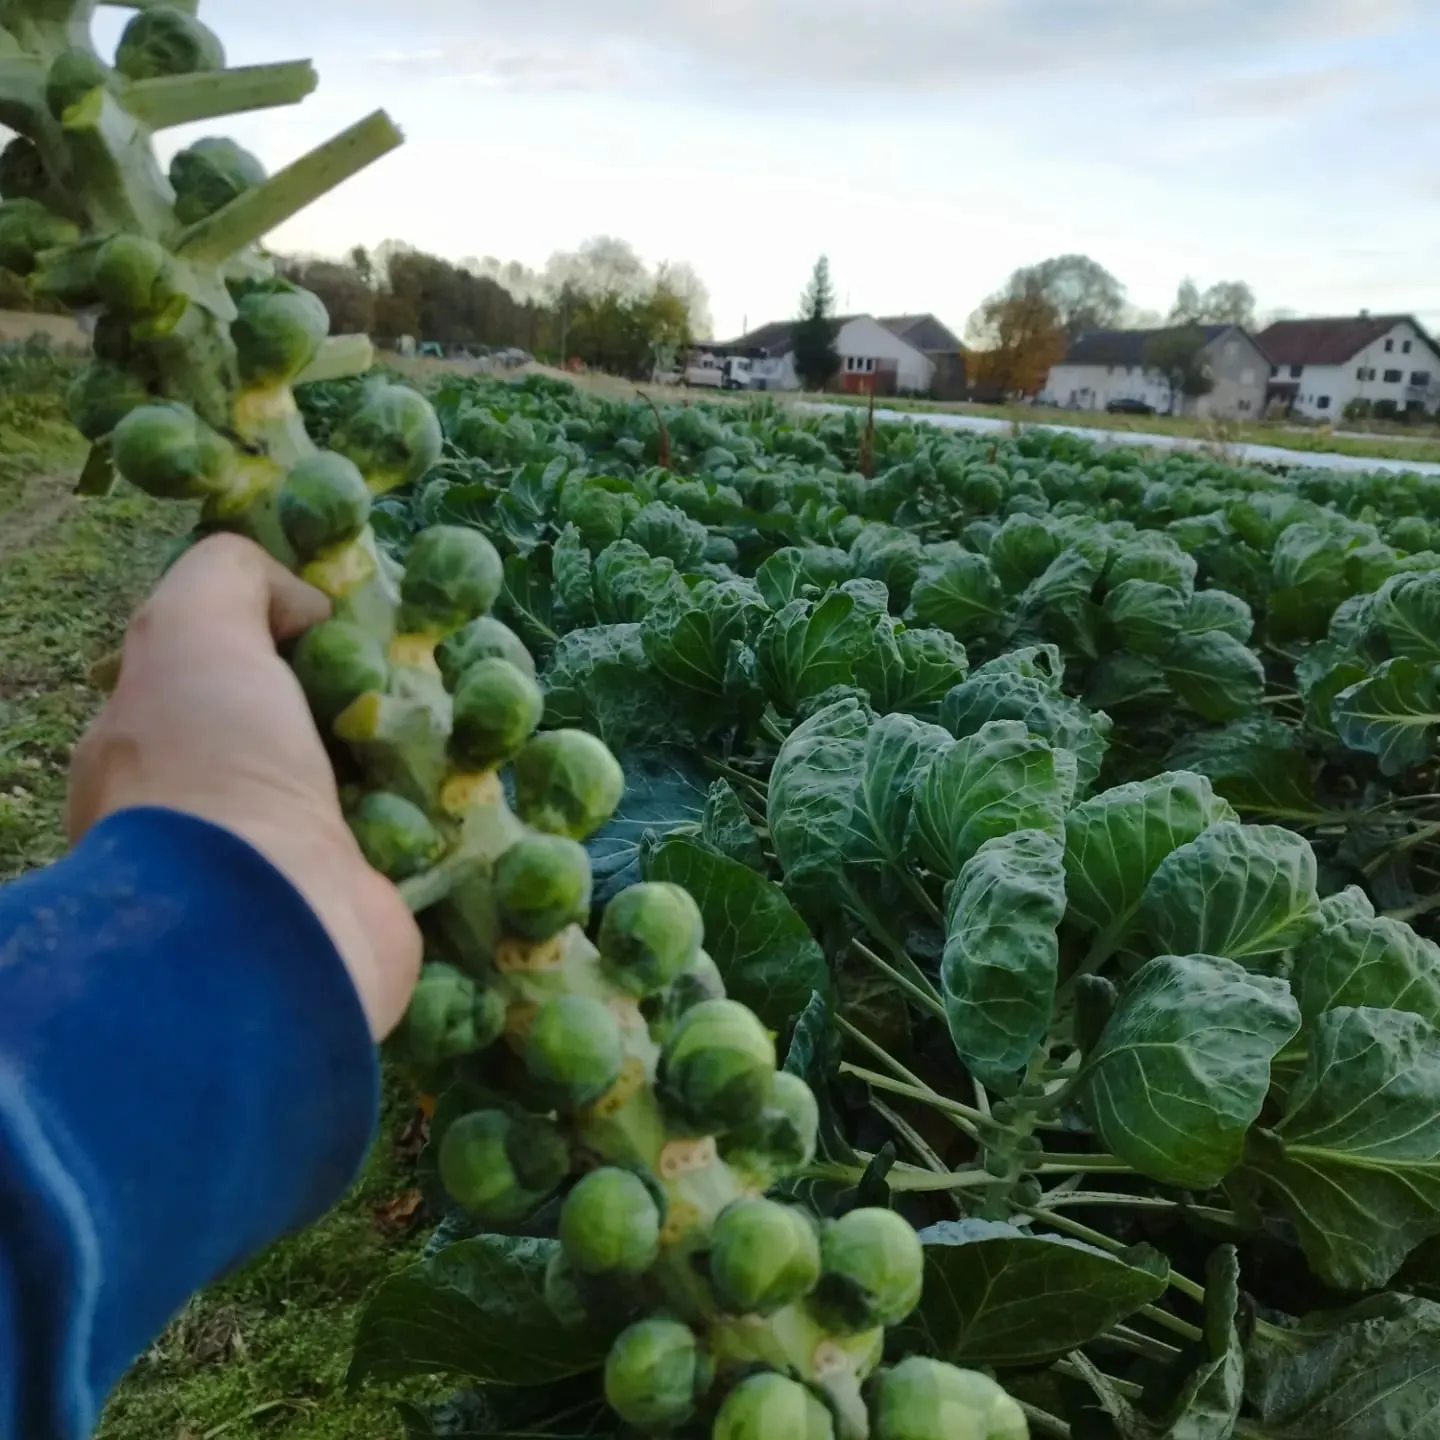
(1407, 610)
(998, 1295)
(808, 648)
(898, 752)
(665, 790)
(574, 590)
(1219, 610)
(1022, 548)
(1257, 764)
(1321, 673)
(1366, 1373)
(1183, 1066)
(1372, 961)
(476, 1310)
(764, 950)
(688, 637)
(726, 828)
(814, 1055)
(1243, 891)
(1216, 675)
(1116, 841)
(961, 596)
(1351, 903)
(1121, 679)
(1145, 617)
(909, 669)
(1355, 1162)
(1392, 714)
(629, 582)
(1154, 557)
(527, 602)
(1001, 954)
(991, 783)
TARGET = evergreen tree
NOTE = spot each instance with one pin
(816, 358)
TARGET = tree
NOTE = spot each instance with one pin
(1083, 293)
(1179, 356)
(1227, 302)
(1016, 336)
(816, 358)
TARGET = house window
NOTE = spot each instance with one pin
(1389, 346)
(1405, 348)
(1393, 377)
(1296, 371)
(1274, 371)
(1244, 405)
(1323, 403)
(1419, 377)
(1360, 373)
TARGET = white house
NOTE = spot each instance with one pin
(1102, 367)
(1383, 364)
(873, 353)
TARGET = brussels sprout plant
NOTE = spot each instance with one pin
(608, 1079)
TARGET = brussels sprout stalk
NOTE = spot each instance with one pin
(619, 1079)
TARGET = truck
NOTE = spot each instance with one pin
(718, 372)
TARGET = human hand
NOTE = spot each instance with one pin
(206, 718)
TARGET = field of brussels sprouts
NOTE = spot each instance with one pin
(1068, 816)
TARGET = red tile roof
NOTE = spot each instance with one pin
(1331, 340)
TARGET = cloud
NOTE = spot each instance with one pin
(1277, 95)
(936, 47)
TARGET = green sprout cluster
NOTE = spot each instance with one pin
(613, 1079)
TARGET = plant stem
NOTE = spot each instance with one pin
(772, 730)
(922, 897)
(1407, 842)
(1077, 1372)
(1085, 1164)
(432, 886)
(913, 1092)
(912, 1137)
(721, 767)
(1042, 1421)
(1173, 1323)
(900, 954)
(1141, 1344)
(926, 1001)
(182, 99)
(905, 1177)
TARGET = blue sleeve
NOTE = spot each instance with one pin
(185, 1074)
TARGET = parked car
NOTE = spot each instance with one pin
(1130, 407)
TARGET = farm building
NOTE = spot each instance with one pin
(1103, 367)
(899, 355)
(1380, 364)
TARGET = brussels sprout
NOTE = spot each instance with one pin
(480, 640)
(923, 1399)
(717, 1070)
(574, 1048)
(169, 452)
(162, 40)
(763, 1256)
(564, 1293)
(567, 783)
(782, 1141)
(336, 663)
(478, 1169)
(323, 502)
(702, 981)
(542, 884)
(394, 437)
(100, 397)
(497, 707)
(130, 273)
(452, 574)
(652, 1373)
(277, 333)
(209, 175)
(73, 74)
(649, 935)
(22, 171)
(872, 1270)
(395, 836)
(610, 1224)
(26, 228)
(771, 1407)
(450, 1016)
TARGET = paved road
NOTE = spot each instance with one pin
(1257, 454)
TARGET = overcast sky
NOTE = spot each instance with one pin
(929, 146)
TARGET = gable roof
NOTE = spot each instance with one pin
(924, 332)
(1127, 347)
(776, 338)
(1331, 340)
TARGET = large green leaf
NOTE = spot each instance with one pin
(1155, 557)
(1219, 610)
(1145, 617)
(1321, 673)
(1243, 891)
(810, 647)
(574, 590)
(664, 791)
(1393, 714)
(688, 638)
(629, 583)
(1257, 764)
(475, 1310)
(1376, 962)
(764, 950)
(1116, 841)
(961, 596)
(898, 753)
(998, 1295)
(999, 780)
(1215, 674)
(999, 965)
(1371, 1372)
(1407, 609)
(909, 669)
(1183, 1066)
(1355, 1162)
(726, 828)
